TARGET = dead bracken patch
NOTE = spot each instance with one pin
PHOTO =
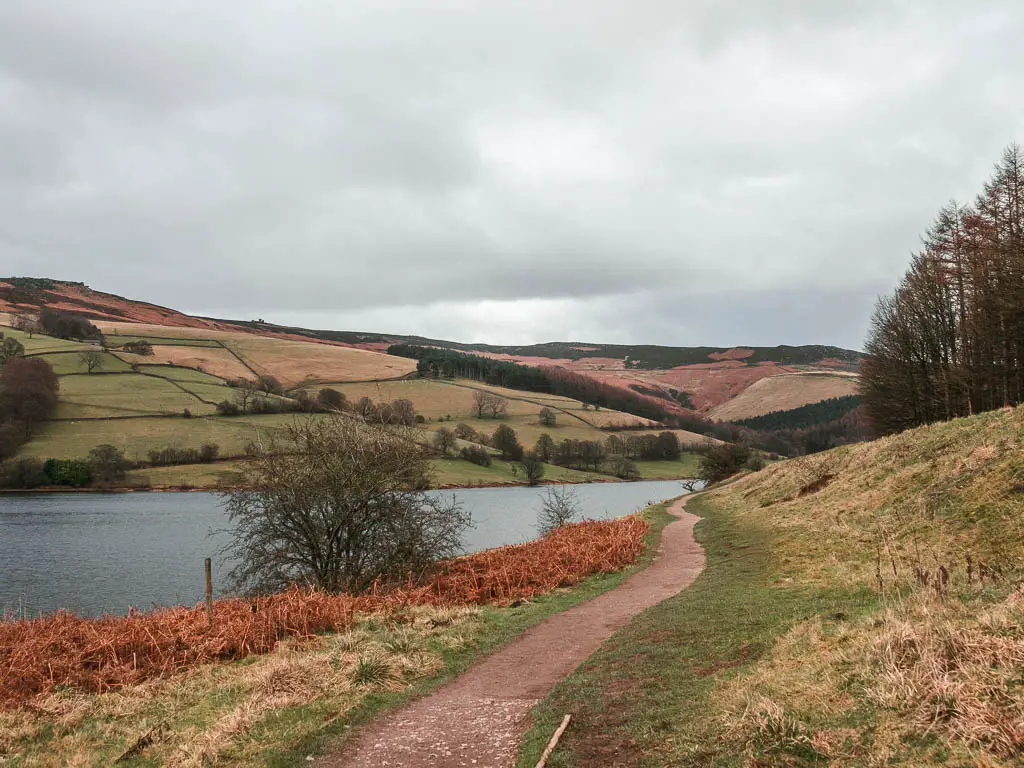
(38, 656)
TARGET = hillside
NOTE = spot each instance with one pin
(867, 611)
(168, 400)
(700, 378)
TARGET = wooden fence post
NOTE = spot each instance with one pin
(209, 592)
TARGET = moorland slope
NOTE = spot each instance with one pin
(866, 611)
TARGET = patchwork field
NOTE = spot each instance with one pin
(785, 392)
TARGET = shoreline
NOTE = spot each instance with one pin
(214, 489)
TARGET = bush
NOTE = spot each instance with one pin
(228, 408)
(107, 463)
(623, 468)
(332, 399)
(208, 452)
(547, 417)
(73, 472)
(722, 461)
(270, 385)
(23, 473)
(476, 455)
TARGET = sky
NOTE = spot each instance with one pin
(702, 172)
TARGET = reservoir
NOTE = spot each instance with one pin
(108, 552)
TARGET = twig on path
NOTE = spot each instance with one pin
(554, 741)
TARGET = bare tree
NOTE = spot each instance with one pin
(337, 504)
(558, 507)
(489, 403)
(28, 324)
(91, 359)
(444, 440)
(533, 467)
(498, 407)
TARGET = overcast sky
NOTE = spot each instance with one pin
(677, 172)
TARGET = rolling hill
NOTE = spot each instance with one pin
(140, 403)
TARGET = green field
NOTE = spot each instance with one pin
(70, 440)
(179, 373)
(132, 391)
(64, 363)
(457, 472)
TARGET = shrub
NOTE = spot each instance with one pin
(270, 385)
(623, 468)
(73, 472)
(547, 417)
(107, 463)
(476, 455)
(23, 473)
(208, 452)
(332, 399)
(228, 408)
(722, 461)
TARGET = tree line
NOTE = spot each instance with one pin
(805, 416)
(949, 340)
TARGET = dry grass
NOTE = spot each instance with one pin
(930, 521)
(215, 360)
(226, 714)
(289, 360)
(784, 392)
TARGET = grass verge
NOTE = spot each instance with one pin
(645, 698)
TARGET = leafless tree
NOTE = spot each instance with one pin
(490, 404)
(337, 504)
(533, 467)
(558, 507)
(91, 359)
(444, 440)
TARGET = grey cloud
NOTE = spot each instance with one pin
(372, 160)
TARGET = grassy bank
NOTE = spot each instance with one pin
(858, 608)
(278, 708)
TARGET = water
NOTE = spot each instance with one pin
(93, 553)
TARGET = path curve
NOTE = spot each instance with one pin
(479, 718)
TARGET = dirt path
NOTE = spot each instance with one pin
(479, 718)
